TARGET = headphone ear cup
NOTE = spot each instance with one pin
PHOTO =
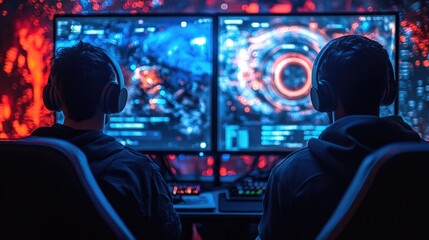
(322, 97)
(314, 95)
(113, 98)
(393, 92)
(391, 89)
(51, 98)
(114, 95)
(122, 98)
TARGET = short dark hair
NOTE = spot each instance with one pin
(356, 68)
(80, 73)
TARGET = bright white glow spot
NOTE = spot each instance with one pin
(233, 21)
(199, 41)
(289, 46)
(76, 28)
(93, 32)
(256, 24)
(229, 43)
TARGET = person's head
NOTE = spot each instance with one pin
(85, 80)
(355, 73)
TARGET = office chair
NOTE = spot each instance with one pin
(47, 191)
(388, 197)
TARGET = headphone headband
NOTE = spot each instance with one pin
(324, 99)
(113, 96)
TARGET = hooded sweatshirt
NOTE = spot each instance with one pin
(130, 181)
(305, 188)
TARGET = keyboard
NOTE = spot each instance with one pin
(183, 189)
(202, 202)
(247, 189)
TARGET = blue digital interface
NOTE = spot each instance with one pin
(264, 75)
(167, 62)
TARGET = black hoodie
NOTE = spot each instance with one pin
(304, 189)
(130, 180)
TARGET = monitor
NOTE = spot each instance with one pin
(264, 75)
(179, 167)
(168, 69)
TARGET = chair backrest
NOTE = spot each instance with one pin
(47, 191)
(388, 197)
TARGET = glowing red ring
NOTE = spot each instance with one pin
(281, 63)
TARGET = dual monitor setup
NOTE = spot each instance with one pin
(218, 95)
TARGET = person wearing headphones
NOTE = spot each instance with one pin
(87, 84)
(352, 77)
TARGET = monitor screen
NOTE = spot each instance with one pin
(186, 167)
(264, 75)
(168, 69)
(233, 166)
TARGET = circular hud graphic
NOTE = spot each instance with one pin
(273, 71)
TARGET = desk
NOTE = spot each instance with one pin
(217, 216)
